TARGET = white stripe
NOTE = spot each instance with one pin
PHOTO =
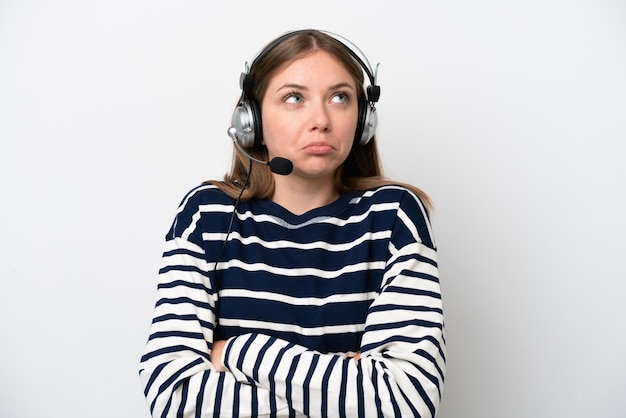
(283, 327)
(381, 235)
(215, 208)
(291, 272)
(308, 301)
(178, 243)
(370, 193)
(380, 207)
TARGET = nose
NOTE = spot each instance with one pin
(320, 118)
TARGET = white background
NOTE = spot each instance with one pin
(509, 114)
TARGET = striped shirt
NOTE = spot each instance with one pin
(296, 296)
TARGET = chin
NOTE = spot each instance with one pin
(316, 173)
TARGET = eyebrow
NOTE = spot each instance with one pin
(301, 87)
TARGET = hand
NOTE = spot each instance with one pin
(357, 356)
(216, 355)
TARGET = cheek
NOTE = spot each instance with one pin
(349, 122)
(275, 136)
(269, 127)
(350, 131)
(272, 125)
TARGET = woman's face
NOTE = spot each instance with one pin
(309, 115)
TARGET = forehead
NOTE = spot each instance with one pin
(318, 66)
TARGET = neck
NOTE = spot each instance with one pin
(300, 196)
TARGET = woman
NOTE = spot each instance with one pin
(306, 291)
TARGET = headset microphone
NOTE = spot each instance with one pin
(278, 165)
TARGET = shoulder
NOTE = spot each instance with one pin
(410, 211)
(204, 197)
(205, 193)
(201, 200)
(395, 193)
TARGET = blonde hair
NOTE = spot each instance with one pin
(361, 170)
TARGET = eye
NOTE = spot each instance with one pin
(341, 97)
(293, 98)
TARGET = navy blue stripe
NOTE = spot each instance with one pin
(257, 364)
(400, 324)
(377, 401)
(184, 268)
(410, 403)
(183, 251)
(181, 334)
(244, 350)
(172, 349)
(173, 378)
(153, 376)
(307, 383)
(430, 377)
(420, 275)
(217, 404)
(272, 374)
(415, 256)
(412, 308)
(324, 258)
(183, 401)
(430, 358)
(394, 402)
(304, 285)
(180, 300)
(423, 394)
(175, 317)
(236, 399)
(307, 316)
(413, 291)
(359, 386)
(400, 338)
(343, 388)
(176, 283)
(325, 380)
(322, 343)
(166, 410)
(254, 401)
(292, 370)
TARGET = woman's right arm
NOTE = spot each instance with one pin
(176, 370)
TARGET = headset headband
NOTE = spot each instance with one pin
(373, 90)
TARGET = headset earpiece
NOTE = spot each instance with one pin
(367, 123)
(247, 123)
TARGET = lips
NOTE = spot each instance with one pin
(318, 148)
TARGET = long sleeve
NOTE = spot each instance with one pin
(402, 366)
(176, 372)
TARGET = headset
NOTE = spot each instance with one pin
(246, 130)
